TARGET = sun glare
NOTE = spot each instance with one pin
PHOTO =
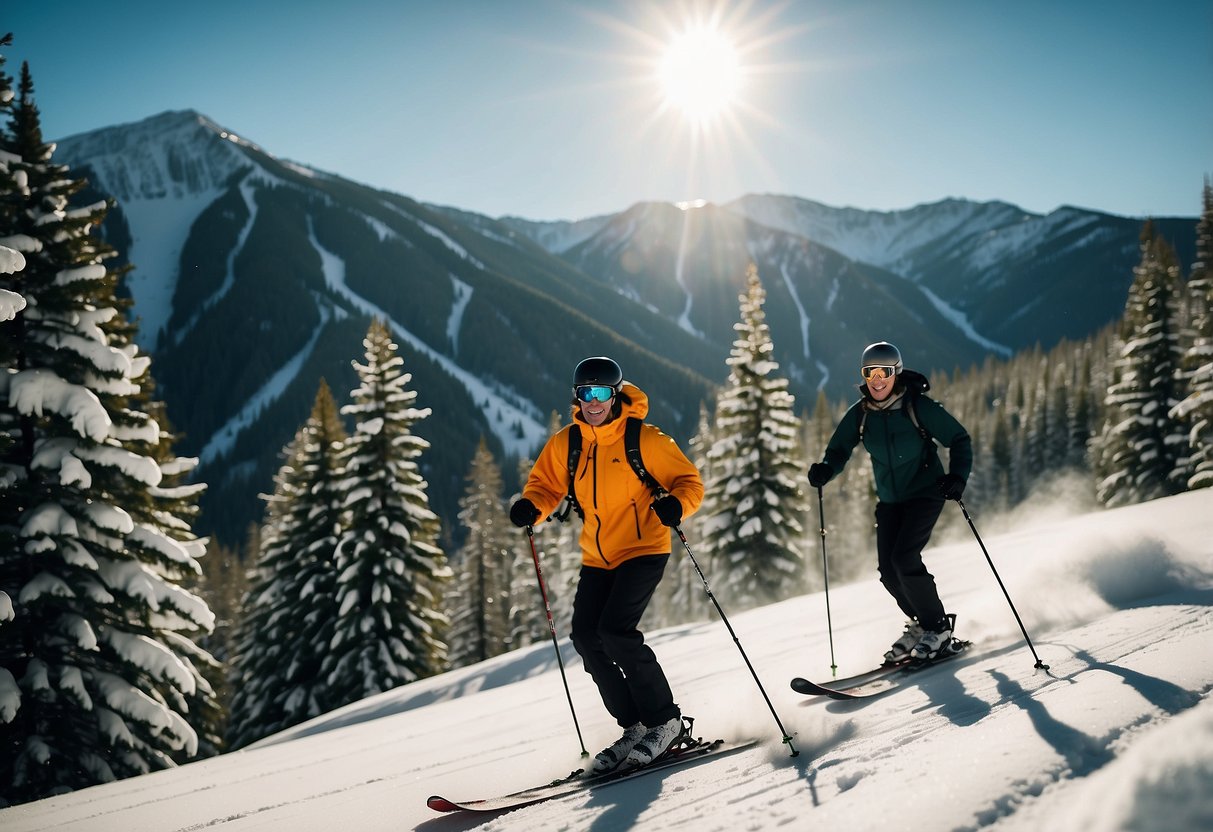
(700, 74)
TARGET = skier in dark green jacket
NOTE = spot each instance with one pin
(898, 425)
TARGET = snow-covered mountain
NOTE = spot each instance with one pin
(1006, 278)
(1117, 734)
(883, 238)
(1011, 277)
(254, 277)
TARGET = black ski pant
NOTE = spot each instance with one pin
(902, 531)
(606, 611)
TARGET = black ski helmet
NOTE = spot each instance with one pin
(882, 354)
(597, 370)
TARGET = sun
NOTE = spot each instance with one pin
(700, 74)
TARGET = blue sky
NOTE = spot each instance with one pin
(550, 109)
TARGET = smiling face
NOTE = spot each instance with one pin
(880, 382)
(595, 412)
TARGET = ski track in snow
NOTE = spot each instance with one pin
(250, 201)
(501, 412)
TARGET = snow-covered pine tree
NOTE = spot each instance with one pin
(291, 605)
(1196, 409)
(478, 603)
(528, 618)
(99, 675)
(755, 506)
(11, 260)
(1140, 445)
(390, 625)
(1038, 429)
(223, 585)
(555, 544)
(1081, 412)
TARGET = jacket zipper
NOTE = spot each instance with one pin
(593, 460)
(889, 449)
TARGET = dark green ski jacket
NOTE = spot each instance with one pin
(904, 464)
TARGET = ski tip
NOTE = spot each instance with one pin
(441, 804)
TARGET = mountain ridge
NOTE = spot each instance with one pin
(254, 277)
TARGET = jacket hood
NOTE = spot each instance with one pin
(631, 401)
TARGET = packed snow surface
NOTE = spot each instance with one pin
(1117, 734)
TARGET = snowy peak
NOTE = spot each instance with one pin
(882, 238)
(171, 155)
(560, 236)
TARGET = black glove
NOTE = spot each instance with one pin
(950, 486)
(819, 474)
(669, 510)
(523, 513)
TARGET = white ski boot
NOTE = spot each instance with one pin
(609, 758)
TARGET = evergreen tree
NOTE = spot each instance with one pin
(1081, 414)
(479, 602)
(389, 627)
(11, 189)
(753, 526)
(223, 585)
(528, 619)
(290, 608)
(1140, 445)
(1197, 366)
(1037, 428)
(100, 676)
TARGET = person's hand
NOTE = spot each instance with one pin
(819, 474)
(668, 509)
(950, 486)
(523, 513)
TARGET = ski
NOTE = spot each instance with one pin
(803, 685)
(580, 781)
(881, 680)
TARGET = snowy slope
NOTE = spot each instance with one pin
(1118, 734)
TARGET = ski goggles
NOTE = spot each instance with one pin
(878, 371)
(595, 393)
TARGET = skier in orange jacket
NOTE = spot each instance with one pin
(625, 544)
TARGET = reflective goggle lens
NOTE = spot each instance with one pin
(595, 393)
(878, 371)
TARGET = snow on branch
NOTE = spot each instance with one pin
(35, 392)
(80, 274)
(136, 466)
(133, 703)
(10, 696)
(151, 656)
(10, 302)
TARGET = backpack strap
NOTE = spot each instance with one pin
(909, 405)
(631, 446)
(911, 408)
(916, 384)
(570, 500)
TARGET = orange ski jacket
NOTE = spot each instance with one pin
(619, 524)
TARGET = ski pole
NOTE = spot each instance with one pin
(1039, 664)
(825, 569)
(547, 608)
(786, 737)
